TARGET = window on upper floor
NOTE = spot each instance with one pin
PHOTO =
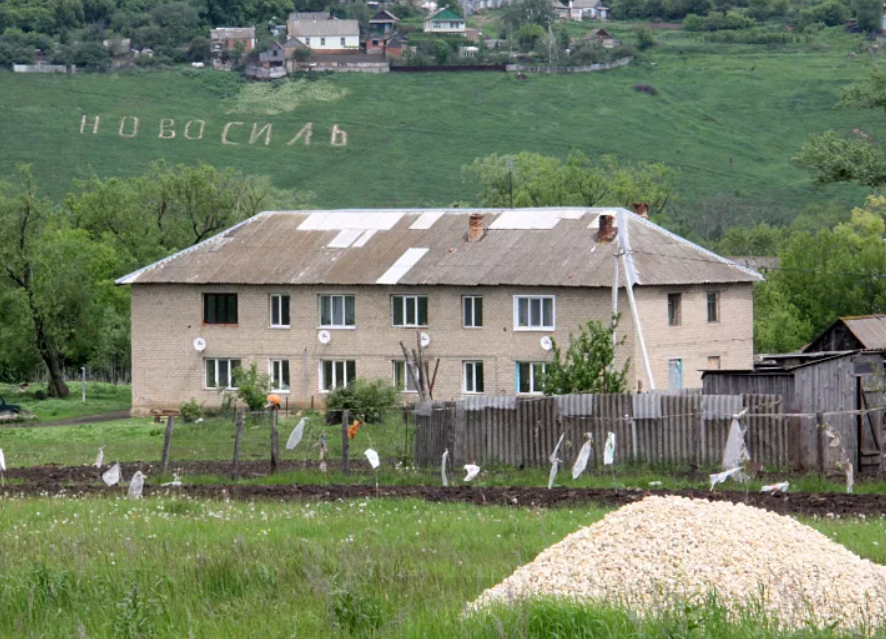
(534, 313)
(472, 377)
(409, 310)
(403, 381)
(335, 373)
(220, 372)
(280, 375)
(713, 306)
(338, 311)
(280, 311)
(322, 42)
(529, 377)
(342, 42)
(472, 311)
(219, 308)
(675, 311)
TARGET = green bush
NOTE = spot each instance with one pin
(588, 365)
(252, 387)
(693, 22)
(190, 411)
(366, 400)
(831, 14)
(645, 38)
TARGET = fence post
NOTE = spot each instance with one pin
(405, 432)
(275, 441)
(819, 441)
(635, 448)
(458, 440)
(167, 442)
(345, 444)
(239, 435)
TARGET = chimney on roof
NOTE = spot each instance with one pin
(475, 227)
(642, 209)
(606, 231)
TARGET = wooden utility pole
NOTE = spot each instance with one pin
(167, 442)
(239, 435)
(345, 443)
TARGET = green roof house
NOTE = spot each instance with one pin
(444, 20)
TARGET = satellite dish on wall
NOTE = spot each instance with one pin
(425, 340)
(324, 336)
(200, 344)
(546, 343)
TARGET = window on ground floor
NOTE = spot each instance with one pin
(473, 377)
(403, 381)
(675, 374)
(280, 374)
(335, 373)
(529, 377)
(219, 372)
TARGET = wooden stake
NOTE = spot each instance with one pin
(275, 442)
(167, 442)
(345, 443)
(236, 472)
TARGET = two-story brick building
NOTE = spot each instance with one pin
(317, 298)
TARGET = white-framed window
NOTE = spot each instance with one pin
(409, 310)
(279, 311)
(335, 373)
(472, 311)
(529, 377)
(534, 313)
(219, 372)
(403, 381)
(322, 42)
(280, 375)
(338, 311)
(472, 377)
(342, 42)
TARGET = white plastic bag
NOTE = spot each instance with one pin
(736, 452)
(472, 471)
(175, 481)
(100, 458)
(112, 475)
(2, 461)
(555, 462)
(296, 435)
(372, 456)
(850, 477)
(780, 487)
(719, 478)
(581, 462)
(443, 468)
(136, 485)
(609, 450)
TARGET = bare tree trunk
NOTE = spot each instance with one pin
(56, 383)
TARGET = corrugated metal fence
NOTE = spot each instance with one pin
(683, 427)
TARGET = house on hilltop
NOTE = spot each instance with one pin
(383, 23)
(603, 37)
(444, 20)
(323, 33)
(594, 9)
(317, 298)
(227, 38)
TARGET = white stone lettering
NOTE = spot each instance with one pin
(166, 130)
(306, 132)
(84, 122)
(225, 132)
(199, 136)
(257, 133)
(133, 132)
(339, 137)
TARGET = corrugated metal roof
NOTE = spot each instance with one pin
(308, 28)
(870, 330)
(233, 32)
(324, 247)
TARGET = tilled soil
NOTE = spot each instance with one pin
(85, 480)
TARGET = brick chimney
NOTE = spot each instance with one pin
(475, 227)
(607, 230)
(642, 209)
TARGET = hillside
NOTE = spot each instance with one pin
(730, 117)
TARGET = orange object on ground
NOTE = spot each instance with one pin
(353, 428)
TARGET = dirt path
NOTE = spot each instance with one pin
(83, 419)
(84, 480)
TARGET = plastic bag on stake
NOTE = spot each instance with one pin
(2, 461)
(296, 435)
(176, 481)
(472, 471)
(781, 487)
(584, 454)
(112, 475)
(100, 458)
(736, 453)
(719, 478)
(372, 456)
(555, 463)
(136, 485)
(609, 450)
(443, 468)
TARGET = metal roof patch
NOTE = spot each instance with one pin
(402, 265)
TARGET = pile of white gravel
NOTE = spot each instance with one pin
(665, 551)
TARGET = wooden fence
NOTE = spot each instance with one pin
(586, 68)
(653, 427)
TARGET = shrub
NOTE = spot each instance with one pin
(39, 395)
(190, 411)
(365, 400)
(831, 14)
(693, 22)
(645, 38)
(252, 387)
(588, 364)
(726, 21)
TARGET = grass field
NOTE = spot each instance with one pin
(729, 117)
(100, 398)
(103, 568)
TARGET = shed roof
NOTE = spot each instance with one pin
(870, 330)
(308, 28)
(444, 14)
(384, 17)
(234, 33)
(520, 247)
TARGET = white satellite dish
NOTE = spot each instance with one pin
(324, 336)
(546, 343)
(200, 344)
(425, 340)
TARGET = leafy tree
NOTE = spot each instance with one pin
(441, 51)
(529, 35)
(645, 38)
(538, 12)
(588, 365)
(868, 15)
(832, 13)
(531, 179)
(199, 49)
(252, 387)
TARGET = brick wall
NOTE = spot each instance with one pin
(166, 319)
